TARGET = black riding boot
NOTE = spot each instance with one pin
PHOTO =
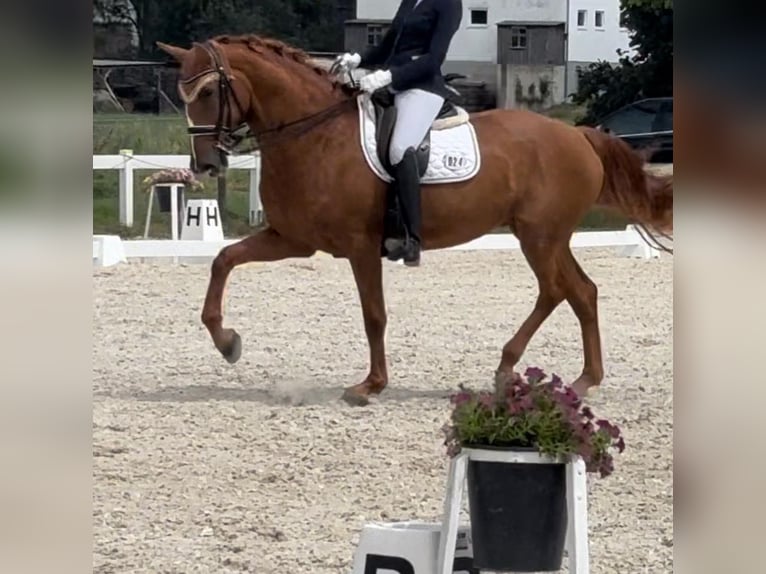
(407, 187)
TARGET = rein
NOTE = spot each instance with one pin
(641, 228)
(230, 138)
(307, 122)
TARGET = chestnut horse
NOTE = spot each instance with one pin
(538, 177)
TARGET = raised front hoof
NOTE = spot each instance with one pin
(232, 350)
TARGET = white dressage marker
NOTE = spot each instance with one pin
(108, 250)
(202, 221)
(407, 548)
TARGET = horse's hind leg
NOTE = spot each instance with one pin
(542, 256)
(582, 295)
(266, 245)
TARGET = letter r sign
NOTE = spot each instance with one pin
(377, 563)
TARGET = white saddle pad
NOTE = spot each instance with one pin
(454, 152)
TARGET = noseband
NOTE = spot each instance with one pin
(228, 136)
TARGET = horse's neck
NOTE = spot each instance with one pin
(296, 166)
(289, 99)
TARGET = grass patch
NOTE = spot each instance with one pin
(568, 113)
(143, 133)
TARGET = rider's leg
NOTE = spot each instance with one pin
(416, 111)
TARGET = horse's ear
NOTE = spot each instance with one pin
(178, 53)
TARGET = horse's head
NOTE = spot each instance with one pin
(231, 85)
(218, 103)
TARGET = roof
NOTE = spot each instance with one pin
(107, 63)
(530, 23)
(367, 21)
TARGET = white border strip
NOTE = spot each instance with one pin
(629, 239)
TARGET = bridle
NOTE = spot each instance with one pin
(229, 138)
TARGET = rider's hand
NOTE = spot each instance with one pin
(375, 81)
(345, 63)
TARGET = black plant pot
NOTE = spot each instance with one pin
(163, 197)
(518, 515)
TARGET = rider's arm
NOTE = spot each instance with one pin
(376, 55)
(450, 15)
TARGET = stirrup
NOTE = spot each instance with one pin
(405, 248)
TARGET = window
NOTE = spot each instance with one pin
(599, 18)
(479, 17)
(582, 18)
(374, 34)
(518, 38)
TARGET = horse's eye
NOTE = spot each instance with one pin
(205, 92)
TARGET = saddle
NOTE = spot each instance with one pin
(385, 120)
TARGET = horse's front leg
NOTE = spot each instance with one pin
(266, 245)
(368, 274)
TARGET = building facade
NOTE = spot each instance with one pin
(507, 43)
(594, 34)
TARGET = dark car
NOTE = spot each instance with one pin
(644, 124)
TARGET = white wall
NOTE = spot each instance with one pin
(588, 43)
(477, 43)
(376, 9)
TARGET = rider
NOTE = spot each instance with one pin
(409, 58)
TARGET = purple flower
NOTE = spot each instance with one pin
(534, 374)
(611, 429)
(606, 467)
(553, 415)
(567, 400)
(487, 400)
(526, 402)
(461, 398)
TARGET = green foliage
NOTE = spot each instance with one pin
(308, 24)
(604, 87)
(533, 413)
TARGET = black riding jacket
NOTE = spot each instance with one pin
(415, 46)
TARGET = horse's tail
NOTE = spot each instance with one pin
(642, 197)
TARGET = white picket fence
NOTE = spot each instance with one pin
(126, 163)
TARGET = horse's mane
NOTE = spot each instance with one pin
(289, 53)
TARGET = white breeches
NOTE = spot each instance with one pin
(416, 110)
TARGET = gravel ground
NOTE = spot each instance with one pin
(201, 466)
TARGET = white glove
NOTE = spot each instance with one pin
(345, 63)
(375, 81)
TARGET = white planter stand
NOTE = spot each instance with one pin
(175, 209)
(577, 505)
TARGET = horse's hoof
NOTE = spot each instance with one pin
(584, 388)
(233, 351)
(353, 397)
